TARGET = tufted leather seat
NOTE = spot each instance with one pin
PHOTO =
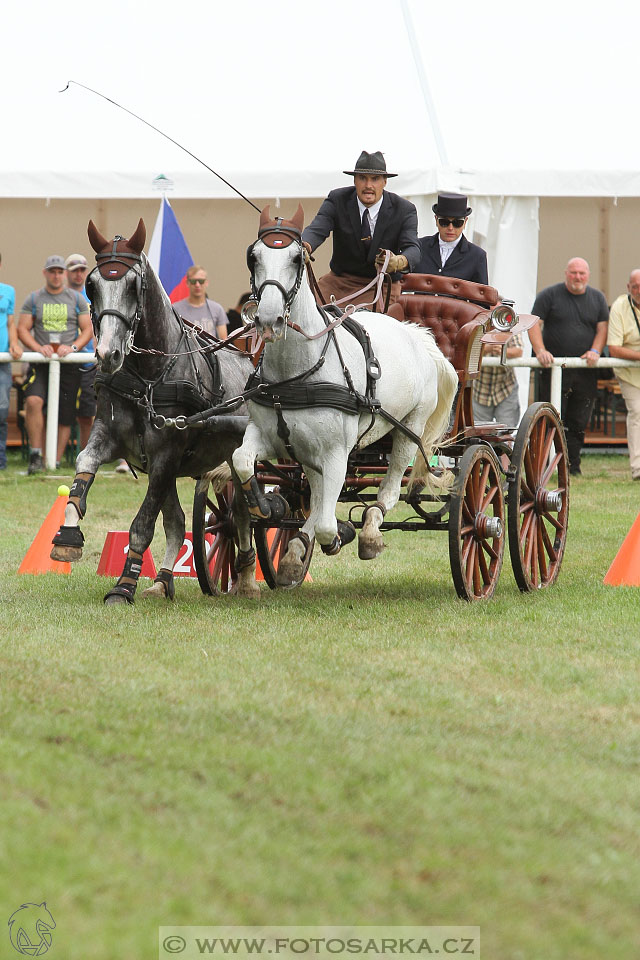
(436, 302)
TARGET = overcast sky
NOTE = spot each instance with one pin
(305, 85)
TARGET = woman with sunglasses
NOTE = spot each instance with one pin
(448, 252)
(198, 308)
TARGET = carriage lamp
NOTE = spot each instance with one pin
(504, 317)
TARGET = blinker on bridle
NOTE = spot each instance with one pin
(276, 235)
(104, 267)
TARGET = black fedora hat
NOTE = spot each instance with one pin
(451, 205)
(371, 164)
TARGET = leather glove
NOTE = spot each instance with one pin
(307, 251)
(396, 263)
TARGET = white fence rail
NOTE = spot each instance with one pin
(82, 358)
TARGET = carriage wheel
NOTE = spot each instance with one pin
(214, 539)
(476, 524)
(272, 544)
(538, 501)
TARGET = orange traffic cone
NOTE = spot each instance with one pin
(37, 559)
(625, 569)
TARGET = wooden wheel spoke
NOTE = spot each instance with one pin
(484, 567)
(549, 548)
(490, 494)
(490, 549)
(468, 513)
(213, 549)
(533, 555)
(551, 467)
(467, 550)
(553, 520)
(220, 560)
(477, 583)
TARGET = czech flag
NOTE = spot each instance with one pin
(169, 254)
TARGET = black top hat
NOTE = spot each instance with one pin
(451, 205)
(372, 164)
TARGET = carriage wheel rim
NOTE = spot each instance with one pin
(476, 525)
(538, 499)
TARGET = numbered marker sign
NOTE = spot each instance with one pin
(184, 565)
(116, 548)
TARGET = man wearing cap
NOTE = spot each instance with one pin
(76, 267)
(448, 252)
(52, 319)
(364, 219)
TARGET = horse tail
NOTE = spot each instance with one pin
(437, 424)
(218, 478)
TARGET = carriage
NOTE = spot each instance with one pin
(310, 441)
(507, 484)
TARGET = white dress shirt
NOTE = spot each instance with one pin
(447, 247)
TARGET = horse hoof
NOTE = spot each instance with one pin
(249, 591)
(289, 573)
(156, 590)
(114, 598)
(68, 554)
(370, 549)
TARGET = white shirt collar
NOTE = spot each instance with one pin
(373, 211)
(447, 247)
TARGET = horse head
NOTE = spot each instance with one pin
(116, 289)
(276, 261)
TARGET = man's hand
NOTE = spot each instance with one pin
(64, 349)
(592, 357)
(307, 251)
(46, 350)
(16, 350)
(396, 263)
(544, 357)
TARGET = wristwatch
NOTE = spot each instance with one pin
(74, 348)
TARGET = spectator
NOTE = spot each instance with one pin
(198, 308)
(495, 389)
(364, 219)
(234, 314)
(76, 267)
(52, 318)
(624, 343)
(574, 318)
(8, 343)
(448, 252)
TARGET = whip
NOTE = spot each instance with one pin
(162, 134)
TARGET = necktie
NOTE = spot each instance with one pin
(366, 230)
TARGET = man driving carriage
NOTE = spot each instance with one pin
(364, 219)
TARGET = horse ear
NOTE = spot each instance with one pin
(97, 241)
(264, 217)
(136, 242)
(298, 219)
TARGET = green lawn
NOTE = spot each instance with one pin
(367, 749)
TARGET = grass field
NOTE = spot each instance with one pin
(367, 749)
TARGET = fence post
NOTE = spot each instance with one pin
(556, 387)
(53, 398)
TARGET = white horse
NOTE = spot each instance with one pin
(416, 386)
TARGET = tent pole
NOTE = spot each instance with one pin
(426, 93)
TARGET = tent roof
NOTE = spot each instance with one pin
(281, 97)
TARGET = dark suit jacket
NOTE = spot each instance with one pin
(396, 230)
(467, 262)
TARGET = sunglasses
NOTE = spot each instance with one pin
(445, 221)
(193, 282)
